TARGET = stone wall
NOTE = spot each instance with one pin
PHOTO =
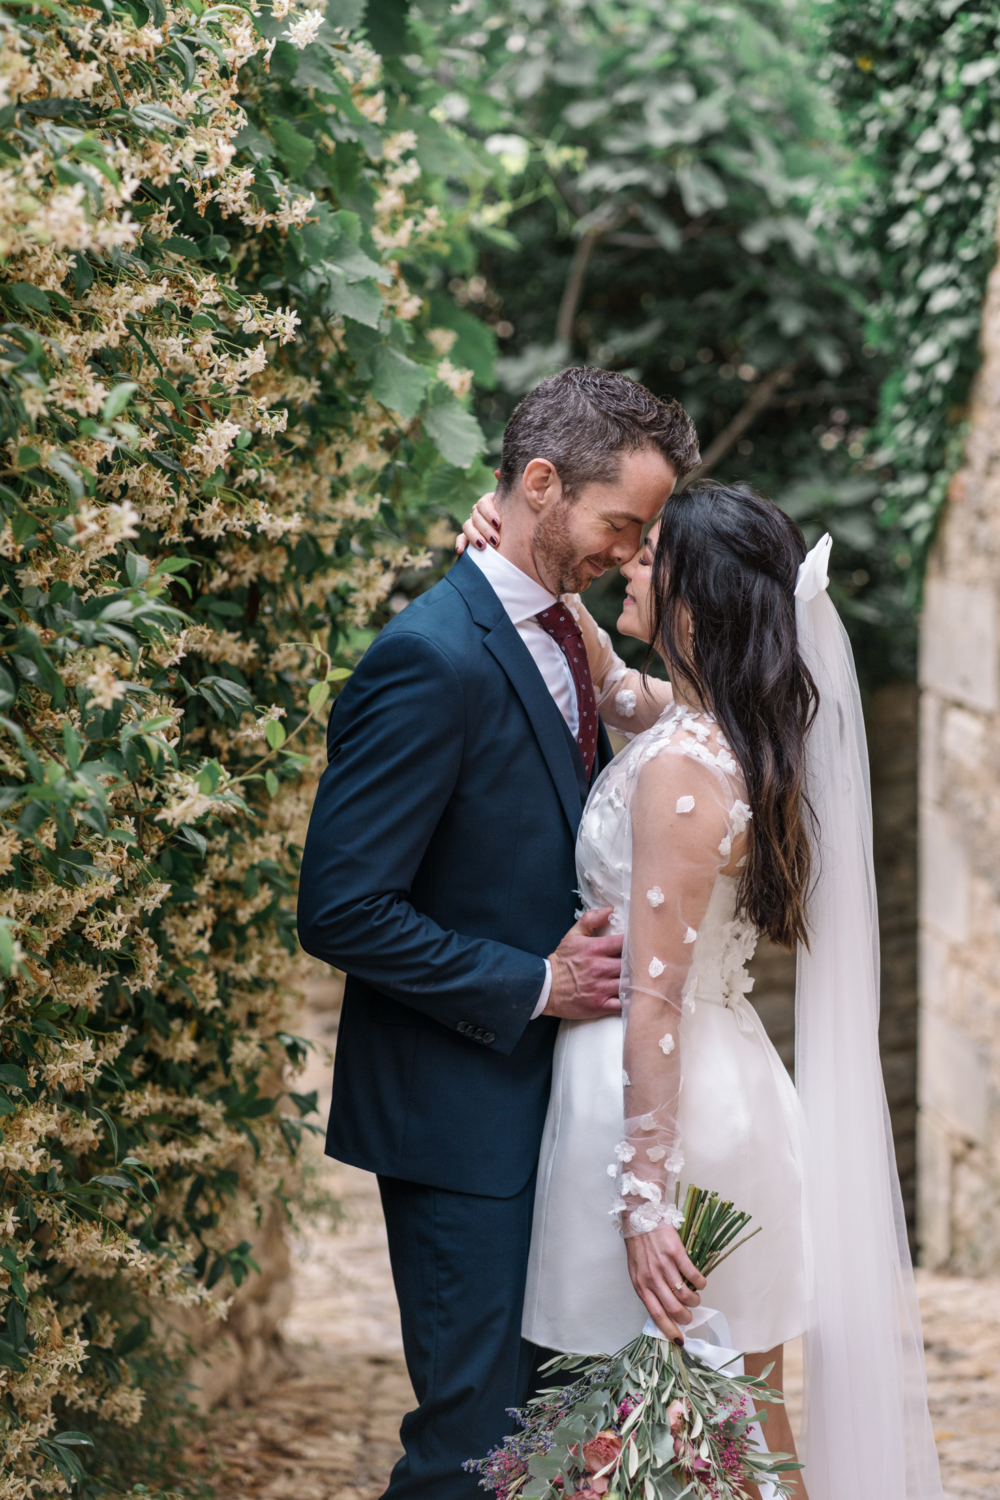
(959, 1126)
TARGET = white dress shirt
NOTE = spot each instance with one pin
(523, 598)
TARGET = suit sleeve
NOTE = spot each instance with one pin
(395, 746)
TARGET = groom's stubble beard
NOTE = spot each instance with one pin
(555, 554)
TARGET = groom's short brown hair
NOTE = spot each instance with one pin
(582, 419)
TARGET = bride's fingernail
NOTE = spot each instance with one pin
(494, 542)
(481, 546)
(494, 523)
(679, 1343)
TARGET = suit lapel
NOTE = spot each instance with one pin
(507, 648)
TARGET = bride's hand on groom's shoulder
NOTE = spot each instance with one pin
(586, 970)
(482, 527)
(659, 1266)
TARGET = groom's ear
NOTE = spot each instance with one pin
(541, 484)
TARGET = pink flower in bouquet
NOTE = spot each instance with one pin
(602, 1450)
(677, 1413)
(627, 1407)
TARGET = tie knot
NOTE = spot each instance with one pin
(559, 623)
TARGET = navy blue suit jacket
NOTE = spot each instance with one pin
(438, 872)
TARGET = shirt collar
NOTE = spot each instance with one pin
(520, 595)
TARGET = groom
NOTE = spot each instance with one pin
(439, 874)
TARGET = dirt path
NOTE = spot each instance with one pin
(330, 1430)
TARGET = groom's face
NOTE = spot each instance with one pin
(576, 540)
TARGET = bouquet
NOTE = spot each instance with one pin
(653, 1421)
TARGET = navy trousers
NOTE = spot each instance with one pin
(459, 1264)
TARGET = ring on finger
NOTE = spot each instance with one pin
(679, 1287)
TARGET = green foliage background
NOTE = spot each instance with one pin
(228, 431)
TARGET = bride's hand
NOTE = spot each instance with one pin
(659, 1266)
(482, 526)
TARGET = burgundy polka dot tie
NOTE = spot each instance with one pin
(564, 630)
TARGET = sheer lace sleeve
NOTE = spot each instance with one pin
(628, 703)
(684, 814)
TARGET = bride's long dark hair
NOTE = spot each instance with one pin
(731, 557)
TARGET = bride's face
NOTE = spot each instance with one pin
(636, 617)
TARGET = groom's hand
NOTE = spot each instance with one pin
(585, 971)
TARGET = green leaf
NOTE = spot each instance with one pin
(455, 432)
(117, 399)
(255, 142)
(8, 688)
(30, 296)
(192, 836)
(68, 471)
(295, 150)
(399, 383)
(272, 783)
(13, 1076)
(274, 733)
(209, 777)
(318, 694)
(136, 566)
(7, 1105)
(338, 674)
(181, 246)
(360, 300)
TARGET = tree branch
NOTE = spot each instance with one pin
(760, 397)
(574, 283)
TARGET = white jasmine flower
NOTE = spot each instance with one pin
(305, 29)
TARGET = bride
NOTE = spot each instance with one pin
(739, 807)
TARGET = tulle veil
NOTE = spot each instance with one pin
(866, 1430)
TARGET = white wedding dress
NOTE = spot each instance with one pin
(710, 1102)
(690, 1090)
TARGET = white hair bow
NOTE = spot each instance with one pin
(814, 571)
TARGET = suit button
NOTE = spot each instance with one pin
(463, 1027)
(479, 1033)
(489, 1036)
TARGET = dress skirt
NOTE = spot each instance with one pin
(741, 1135)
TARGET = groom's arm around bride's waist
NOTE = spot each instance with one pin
(397, 746)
